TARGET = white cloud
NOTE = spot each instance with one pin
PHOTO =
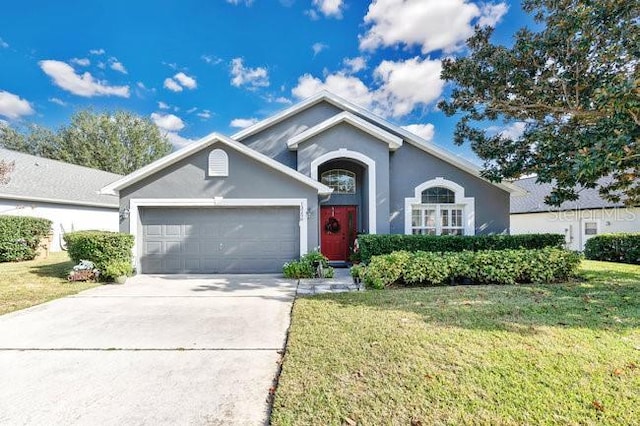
(117, 65)
(282, 100)
(172, 85)
(511, 131)
(211, 59)
(425, 131)
(407, 84)
(168, 122)
(356, 64)
(97, 51)
(242, 123)
(252, 78)
(329, 8)
(83, 62)
(401, 86)
(204, 114)
(3, 44)
(237, 2)
(101, 65)
(57, 101)
(177, 140)
(318, 47)
(431, 24)
(349, 87)
(192, 110)
(492, 13)
(64, 76)
(180, 81)
(13, 106)
(185, 80)
(163, 105)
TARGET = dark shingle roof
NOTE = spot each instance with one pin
(533, 201)
(40, 179)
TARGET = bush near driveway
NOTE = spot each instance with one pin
(109, 251)
(534, 354)
(374, 245)
(482, 267)
(624, 248)
(20, 237)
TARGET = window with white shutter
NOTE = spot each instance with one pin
(218, 163)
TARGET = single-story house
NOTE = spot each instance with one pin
(578, 220)
(312, 176)
(66, 194)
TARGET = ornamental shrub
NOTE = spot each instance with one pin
(482, 267)
(20, 237)
(100, 247)
(304, 268)
(623, 248)
(374, 245)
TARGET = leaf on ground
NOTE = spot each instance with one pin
(349, 421)
(618, 372)
(428, 376)
(632, 366)
(598, 405)
(416, 422)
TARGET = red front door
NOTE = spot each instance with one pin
(337, 231)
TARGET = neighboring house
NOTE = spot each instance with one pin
(66, 194)
(311, 176)
(578, 220)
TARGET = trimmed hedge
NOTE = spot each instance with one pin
(374, 245)
(481, 267)
(105, 249)
(20, 237)
(623, 248)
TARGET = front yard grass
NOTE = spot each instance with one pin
(497, 355)
(24, 284)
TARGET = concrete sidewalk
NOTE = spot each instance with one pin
(157, 350)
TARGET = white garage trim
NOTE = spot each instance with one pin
(371, 175)
(136, 203)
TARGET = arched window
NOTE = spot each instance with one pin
(439, 208)
(342, 181)
(218, 163)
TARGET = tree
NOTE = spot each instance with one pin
(5, 169)
(119, 142)
(573, 87)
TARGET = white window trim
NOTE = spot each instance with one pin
(135, 224)
(467, 203)
(371, 177)
(223, 156)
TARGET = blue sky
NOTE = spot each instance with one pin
(195, 67)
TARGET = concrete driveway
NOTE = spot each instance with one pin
(179, 350)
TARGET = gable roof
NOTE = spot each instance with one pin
(209, 140)
(533, 202)
(51, 181)
(415, 140)
(393, 141)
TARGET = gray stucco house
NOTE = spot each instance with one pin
(311, 176)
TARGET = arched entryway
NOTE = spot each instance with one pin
(351, 208)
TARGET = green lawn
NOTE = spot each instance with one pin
(497, 355)
(24, 284)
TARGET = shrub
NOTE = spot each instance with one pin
(20, 237)
(374, 245)
(117, 268)
(624, 248)
(103, 248)
(304, 268)
(482, 267)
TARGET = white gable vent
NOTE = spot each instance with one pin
(218, 163)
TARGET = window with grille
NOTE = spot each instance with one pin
(438, 214)
(342, 181)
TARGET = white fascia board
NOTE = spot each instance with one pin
(393, 141)
(58, 201)
(113, 188)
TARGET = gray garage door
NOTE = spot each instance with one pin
(218, 239)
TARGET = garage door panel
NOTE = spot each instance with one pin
(218, 240)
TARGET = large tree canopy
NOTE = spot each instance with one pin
(119, 142)
(5, 169)
(572, 87)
